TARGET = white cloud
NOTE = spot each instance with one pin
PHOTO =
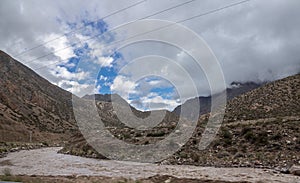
(105, 61)
(107, 84)
(78, 88)
(123, 86)
(62, 72)
(155, 102)
(61, 47)
(103, 78)
(99, 52)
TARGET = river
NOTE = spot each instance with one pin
(47, 162)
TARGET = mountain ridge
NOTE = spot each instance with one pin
(236, 89)
(260, 129)
(31, 104)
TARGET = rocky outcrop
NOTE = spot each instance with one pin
(295, 170)
(277, 99)
(236, 89)
(247, 138)
(31, 105)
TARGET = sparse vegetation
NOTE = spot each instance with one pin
(7, 172)
(156, 134)
(260, 129)
(85, 179)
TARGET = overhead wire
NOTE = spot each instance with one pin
(80, 28)
(166, 26)
(113, 29)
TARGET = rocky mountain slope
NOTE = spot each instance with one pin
(277, 99)
(235, 90)
(106, 110)
(30, 104)
(100, 97)
(260, 129)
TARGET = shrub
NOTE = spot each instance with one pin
(246, 130)
(227, 142)
(7, 172)
(227, 134)
(262, 138)
(156, 134)
(277, 137)
(126, 136)
(250, 136)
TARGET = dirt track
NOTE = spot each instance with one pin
(46, 162)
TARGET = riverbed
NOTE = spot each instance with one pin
(47, 162)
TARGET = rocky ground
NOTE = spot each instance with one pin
(266, 143)
(89, 179)
(260, 129)
(8, 147)
(46, 165)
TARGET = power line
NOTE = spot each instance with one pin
(184, 20)
(166, 26)
(73, 31)
(173, 7)
(154, 14)
(215, 10)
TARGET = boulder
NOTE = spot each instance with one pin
(295, 170)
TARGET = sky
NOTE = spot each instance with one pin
(254, 41)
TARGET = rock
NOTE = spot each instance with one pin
(285, 170)
(257, 162)
(168, 180)
(295, 170)
(165, 162)
(295, 138)
(15, 149)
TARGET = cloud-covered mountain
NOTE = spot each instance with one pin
(236, 89)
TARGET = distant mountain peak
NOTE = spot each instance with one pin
(102, 97)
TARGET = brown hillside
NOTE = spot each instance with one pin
(30, 103)
(270, 139)
(276, 99)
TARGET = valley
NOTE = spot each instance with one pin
(39, 138)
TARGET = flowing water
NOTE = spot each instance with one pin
(48, 162)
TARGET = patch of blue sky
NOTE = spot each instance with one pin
(165, 93)
(109, 74)
(83, 56)
(81, 53)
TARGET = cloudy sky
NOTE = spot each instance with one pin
(71, 44)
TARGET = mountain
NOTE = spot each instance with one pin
(260, 129)
(110, 109)
(100, 97)
(277, 99)
(29, 104)
(236, 89)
